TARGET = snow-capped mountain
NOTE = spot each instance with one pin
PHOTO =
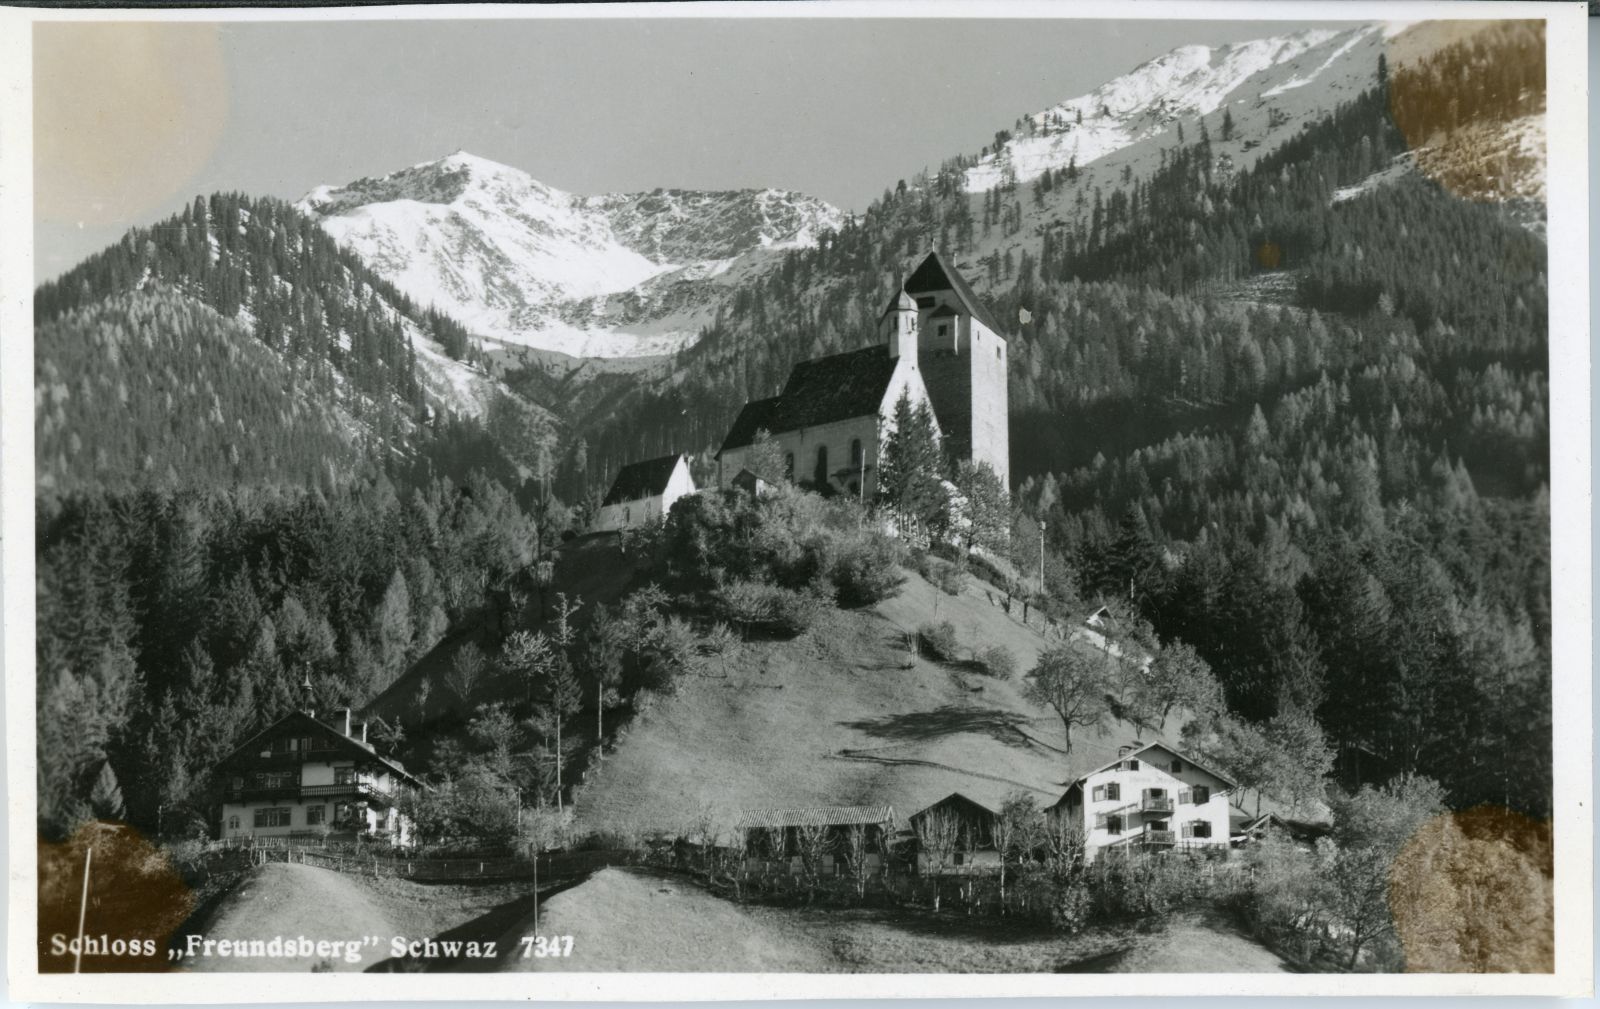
(1187, 83)
(509, 256)
(525, 265)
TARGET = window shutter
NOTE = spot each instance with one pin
(1099, 792)
(1188, 830)
(1185, 797)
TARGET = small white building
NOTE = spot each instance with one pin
(1151, 798)
(644, 492)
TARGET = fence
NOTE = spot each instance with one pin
(439, 870)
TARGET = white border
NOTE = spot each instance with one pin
(1570, 516)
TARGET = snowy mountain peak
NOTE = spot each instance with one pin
(510, 256)
(1189, 82)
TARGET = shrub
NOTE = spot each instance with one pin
(947, 577)
(868, 572)
(1070, 906)
(997, 661)
(938, 641)
(759, 606)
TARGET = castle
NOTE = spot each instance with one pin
(937, 345)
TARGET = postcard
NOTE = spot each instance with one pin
(795, 500)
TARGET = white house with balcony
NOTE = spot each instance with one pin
(1151, 798)
(303, 778)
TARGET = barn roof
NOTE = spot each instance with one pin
(935, 274)
(642, 479)
(815, 816)
(822, 391)
(954, 796)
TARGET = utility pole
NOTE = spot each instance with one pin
(83, 907)
(1041, 557)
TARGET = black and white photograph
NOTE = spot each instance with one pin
(833, 489)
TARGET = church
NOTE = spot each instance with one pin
(937, 344)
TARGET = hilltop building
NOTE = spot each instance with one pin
(937, 345)
(302, 778)
(645, 491)
(1151, 798)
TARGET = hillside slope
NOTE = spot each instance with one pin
(846, 723)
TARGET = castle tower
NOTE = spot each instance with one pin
(899, 323)
(963, 360)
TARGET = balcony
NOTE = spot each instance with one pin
(349, 789)
(1157, 838)
(1156, 804)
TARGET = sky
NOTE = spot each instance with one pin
(132, 120)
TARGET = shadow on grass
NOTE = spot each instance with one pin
(950, 720)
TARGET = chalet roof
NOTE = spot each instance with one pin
(815, 816)
(642, 479)
(935, 274)
(959, 797)
(300, 722)
(1225, 779)
(822, 391)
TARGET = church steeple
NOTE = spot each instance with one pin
(900, 324)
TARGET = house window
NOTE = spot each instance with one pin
(1177, 767)
(1200, 795)
(272, 816)
(1199, 828)
(344, 776)
(1114, 824)
(275, 779)
(233, 822)
(1114, 791)
(820, 476)
(855, 453)
(944, 329)
(1130, 765)
(316, 815)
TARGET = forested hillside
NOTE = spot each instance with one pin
(172, 624)
(153, 387)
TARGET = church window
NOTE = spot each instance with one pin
(944, 329)
(855, 452)
(997, 353)
(820, 477)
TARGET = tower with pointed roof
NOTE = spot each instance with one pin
(963, 360)
(936, 344)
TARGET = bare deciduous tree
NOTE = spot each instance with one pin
(466, 670)
(938, 834)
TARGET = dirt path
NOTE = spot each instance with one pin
(288, 902)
